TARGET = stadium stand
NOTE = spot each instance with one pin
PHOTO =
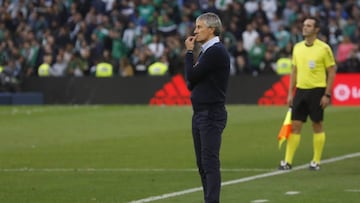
(77, 33)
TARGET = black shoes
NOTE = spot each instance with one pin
(284, 166)
(314, 166)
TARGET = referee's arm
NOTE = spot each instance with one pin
(292, 85)
(331, 72)
(325, 100)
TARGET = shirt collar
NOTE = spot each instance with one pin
(209, 43)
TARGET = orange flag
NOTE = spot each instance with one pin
(285, 130)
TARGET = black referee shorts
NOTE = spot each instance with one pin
(307, 103)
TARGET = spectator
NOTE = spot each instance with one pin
(96, 48)
(17, 7)
(259, 15)
(141, 61)
(129, 35)
(270, 8)
(216, 6)
(82, 46)
(295, 34)
(99, 5)
(236, 19)
(267, 36)
(102, 68)
(185, 26)
(251, 6)
(10, 76)
(241, 58)
(334, 34)
(127, 8)
(156, 47)
(118, 47)
(235, 29)
(229, 38)
(109, 4)
(146, 11)
(58, 69)
(256, 56)
(192, 9)
(166, 26)
(283, 64)
(249, 36)
(159, 68)
(343, 53)
(44, 68)
(221, 5)
(352, 63)
(62, 36)
(33, 54)
(268, 64)
(145, 37)
(174, 54)
(275, 23)
(282, 37)
(77, 66)
(290, 12)
(125, 68)
(350, 28)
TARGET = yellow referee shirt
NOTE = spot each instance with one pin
(312, 62)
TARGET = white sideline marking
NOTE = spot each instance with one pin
(259, 201)
(122, 170)
(241, 180)
(352, 190)
(292, 193)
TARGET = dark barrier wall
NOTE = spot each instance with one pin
(248, 89)
(88, 90)
(135, 90)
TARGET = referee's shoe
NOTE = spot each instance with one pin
(284, 166)
(314, 166)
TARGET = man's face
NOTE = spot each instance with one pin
(309, 28)
(202, 32)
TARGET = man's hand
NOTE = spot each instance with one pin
(290, 100)
(190, 43)
(324, 102)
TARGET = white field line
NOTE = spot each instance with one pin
(124, 170)
(241, 180)
(40, 109)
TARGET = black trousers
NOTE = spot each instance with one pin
(207, 127)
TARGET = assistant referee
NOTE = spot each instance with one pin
(312, 77)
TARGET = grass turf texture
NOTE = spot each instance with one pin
(108, 154)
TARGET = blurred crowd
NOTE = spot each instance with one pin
(145, 37)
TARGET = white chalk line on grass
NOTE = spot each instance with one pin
(241, 180)
(124, 170)
(29, 111)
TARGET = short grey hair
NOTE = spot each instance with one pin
(211, 20)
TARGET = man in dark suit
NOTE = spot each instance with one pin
(207, 79)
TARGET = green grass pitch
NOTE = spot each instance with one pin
(116, 154)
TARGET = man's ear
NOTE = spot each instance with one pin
(213, 30)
